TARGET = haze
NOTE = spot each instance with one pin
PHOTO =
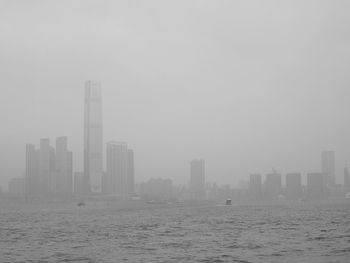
(246, 85)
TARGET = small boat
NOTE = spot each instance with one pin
(81, 204)
(228, 202)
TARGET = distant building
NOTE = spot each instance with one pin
(17, 187)
(64, 168)
(120, 169)
(131, 173)
(157, 190)
(255, 186)
(93, 164)
(328, 167)
(78, 183)
(293, 186)
(272, 186)
(346, 180)
(32, 171)
(47, 178)
(197, 182)
(315, 186)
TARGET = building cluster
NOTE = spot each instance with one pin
(319, 185)
(49, 170)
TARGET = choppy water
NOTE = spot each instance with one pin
(298, 233)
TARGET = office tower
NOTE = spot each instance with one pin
(273, 186)
(93, 137)
(117, 168)
(78, 183)
(328, 167)
(346, 180)
(131, 173)
(255, 186)
(315, 186)
(31, 171)
(293, 186)
(197, 182)
(64, 169)
(17, 187)
(46, 180)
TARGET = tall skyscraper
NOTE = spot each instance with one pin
(32, 171)
(117, 169)
(315, 186)
(328, 167)
(255, 186)
(197, 182)
(131, 173)
(47, 182)
(273, 186)
(293, 186)
(93, 164)
(64, 169)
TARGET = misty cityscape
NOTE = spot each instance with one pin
(175, 131)
(49, 172)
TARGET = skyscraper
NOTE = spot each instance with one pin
(117, 168)
(273, 186)
(255, 189)
(46, 182)
(197, 182)
(131, 173)
(328, 167)
(32, 171)
(93, 164)
(315, 186)
(293, 186)
(64, 169)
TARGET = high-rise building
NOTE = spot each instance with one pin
(17, 187)
(273, 186)
(255, 186)
(197, 182)
(328, 167)
(346, 179)
(131, 173)
(64, 168)
(93, 164)
(31, 171)
(293, 186)
(47, 182)
(78, 183)
(315, 186)
(117, 168)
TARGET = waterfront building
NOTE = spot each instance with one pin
(31, 171)
(64, 168)
(315, 186)
(328, 167)
(272, 186)
(117, 168)
(197, 180)
(93, 164)
(293, 186)
(255, 186)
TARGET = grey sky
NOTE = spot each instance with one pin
(246, 85)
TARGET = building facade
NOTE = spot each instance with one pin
(93, 144)
(197, 179)
(328, 167)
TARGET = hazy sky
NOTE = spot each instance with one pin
(247, 85)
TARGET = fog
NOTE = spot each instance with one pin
(246, 85)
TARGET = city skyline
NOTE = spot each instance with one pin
(214, 88)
